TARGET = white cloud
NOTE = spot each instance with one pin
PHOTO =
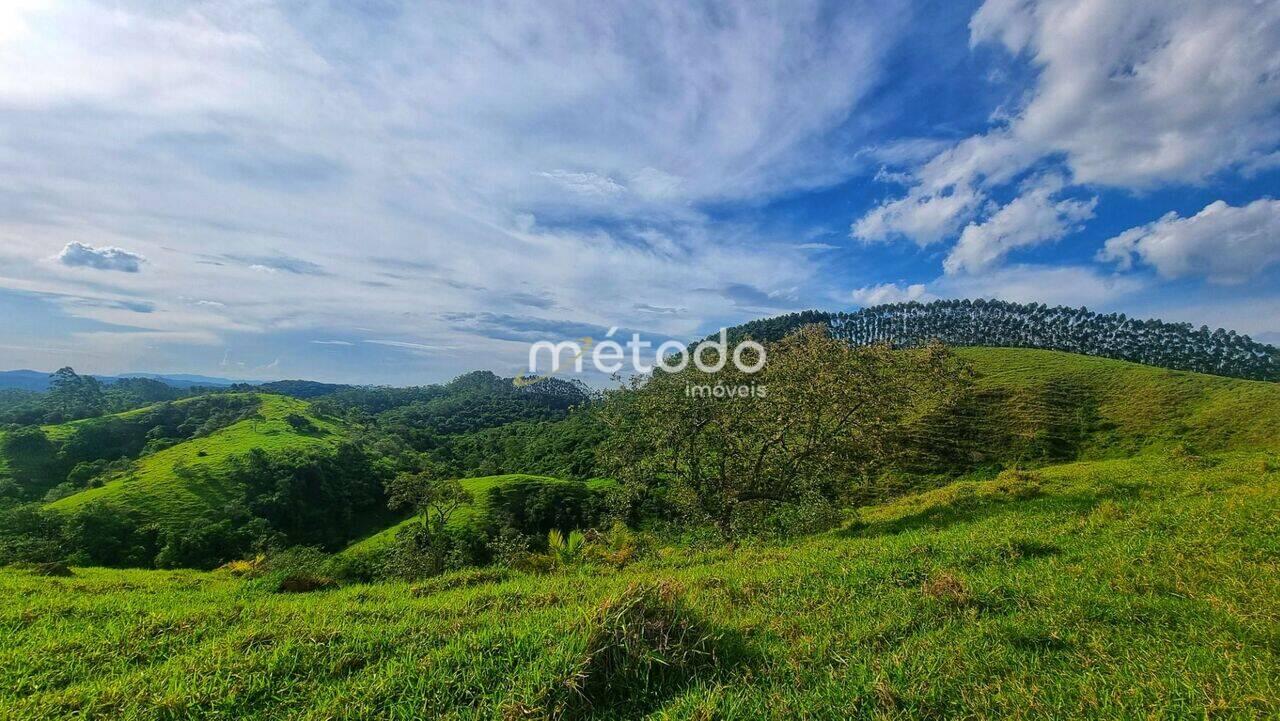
(890, 293)
(922, 216)
(444, 160)
(333, 342)
(1227, 244)
(1137, 94)
(406, 345)
(1034, 217)
(79, 255)
(1128, 94)
(1069, 285)
(585, 183)
(1054, 285)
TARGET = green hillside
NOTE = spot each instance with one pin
(1110, 589)
(1085, 538)
(187, 481)
(479, 488)
(1131, 407)
(1033, 407)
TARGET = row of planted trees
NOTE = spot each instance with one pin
(996, 323)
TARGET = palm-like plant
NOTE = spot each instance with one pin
(565, 550)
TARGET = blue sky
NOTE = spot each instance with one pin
(391, 192)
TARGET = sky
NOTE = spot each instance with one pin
(400, 192)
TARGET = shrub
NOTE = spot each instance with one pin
(617, 547)
(52, 568)
(565, 551)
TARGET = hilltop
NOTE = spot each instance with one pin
(996, 323)
(1042, 405)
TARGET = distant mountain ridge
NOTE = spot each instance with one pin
(1001, 324)
(31, 380)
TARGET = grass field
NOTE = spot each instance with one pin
(155, 489)
(1119, 408)
(1121, 588)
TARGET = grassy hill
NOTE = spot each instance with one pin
(1132, 407)
(186, 481)
(1033, 407)
(1116, 588)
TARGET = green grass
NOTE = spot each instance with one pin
(479, 488)
(1140, 579)
(1119, 588)
(1101, 408)
(155, 489)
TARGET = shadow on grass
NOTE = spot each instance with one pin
(949, 509)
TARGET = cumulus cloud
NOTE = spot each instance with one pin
(1037, 216)
(891, 293)
(1146, 93)
(1225, 243)
(923, 216)
(1069, 285)
(79, 255)
(1129, 95)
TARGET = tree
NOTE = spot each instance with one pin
(429, 495)
(823, 414)
(75, 396)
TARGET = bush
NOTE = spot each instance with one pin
(565, 551)
(299, 569)
(304, 583)
(617, 547)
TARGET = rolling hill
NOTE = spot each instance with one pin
(1088, 537)
(187, 481)
(1033, 407)
(1121, 588)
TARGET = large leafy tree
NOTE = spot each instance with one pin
(74, 395)
(822, 415)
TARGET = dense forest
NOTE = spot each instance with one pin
(995, 323)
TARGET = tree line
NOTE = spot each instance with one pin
(996, 323)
